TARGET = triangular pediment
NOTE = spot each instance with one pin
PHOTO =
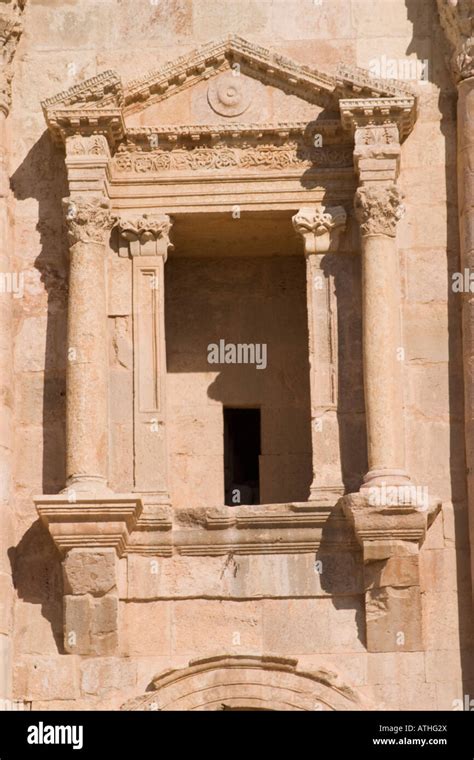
(223, 82)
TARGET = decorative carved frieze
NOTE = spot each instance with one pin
(289, 156)
(320, 227)
(378, 209)
(457, 20)
(92, 145)
(89, 219)
(376, 136)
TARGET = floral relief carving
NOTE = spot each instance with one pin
(320, 227)
(144, 228)
(457, 20)
(288, 156)
(378, 209)
(93, 145)
(229, 95)
(89, 220)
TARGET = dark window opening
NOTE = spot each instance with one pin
(241, 453)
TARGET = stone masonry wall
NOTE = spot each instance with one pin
(66, 41)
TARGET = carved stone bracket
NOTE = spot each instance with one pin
(90, 534)
(390, 537)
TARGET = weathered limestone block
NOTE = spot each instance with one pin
(54, 675)
(89, 572)
(393, 619)
(90, 604)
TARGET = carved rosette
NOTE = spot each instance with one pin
(142, 230)
(229, 95)
(378, 209)
(320, 227)
(89, 219)
(457, 20)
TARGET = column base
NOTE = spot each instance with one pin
(385, 476)
(92, 486)
(325, 495)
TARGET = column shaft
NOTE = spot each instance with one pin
(382, 355)
(320, 230)
(87, 367)
(465, 127)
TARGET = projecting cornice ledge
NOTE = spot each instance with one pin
(101, 104)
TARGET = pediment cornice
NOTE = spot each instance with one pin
(101, 104)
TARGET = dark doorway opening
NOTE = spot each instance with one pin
(241, 456)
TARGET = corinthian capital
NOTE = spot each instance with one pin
(378, 209)
(10, 31)
(147, 235)
(320, 227)
(457, 20)
(89, 219)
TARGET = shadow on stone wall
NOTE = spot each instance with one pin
(36, 566)
(42, 176)
(37, 578)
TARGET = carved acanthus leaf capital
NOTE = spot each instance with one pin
(10, 32)
(378, 209)
(457, 20)
(141, 231)
(320, 227)
(89, 219)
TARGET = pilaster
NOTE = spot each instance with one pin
(320, 229)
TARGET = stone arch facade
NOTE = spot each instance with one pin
(247, 682)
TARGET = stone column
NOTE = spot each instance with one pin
(378, 208)
(457, 20)
(320, 229)
(89, 222)
(389, 520)
(10, 30)
(146, 239)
